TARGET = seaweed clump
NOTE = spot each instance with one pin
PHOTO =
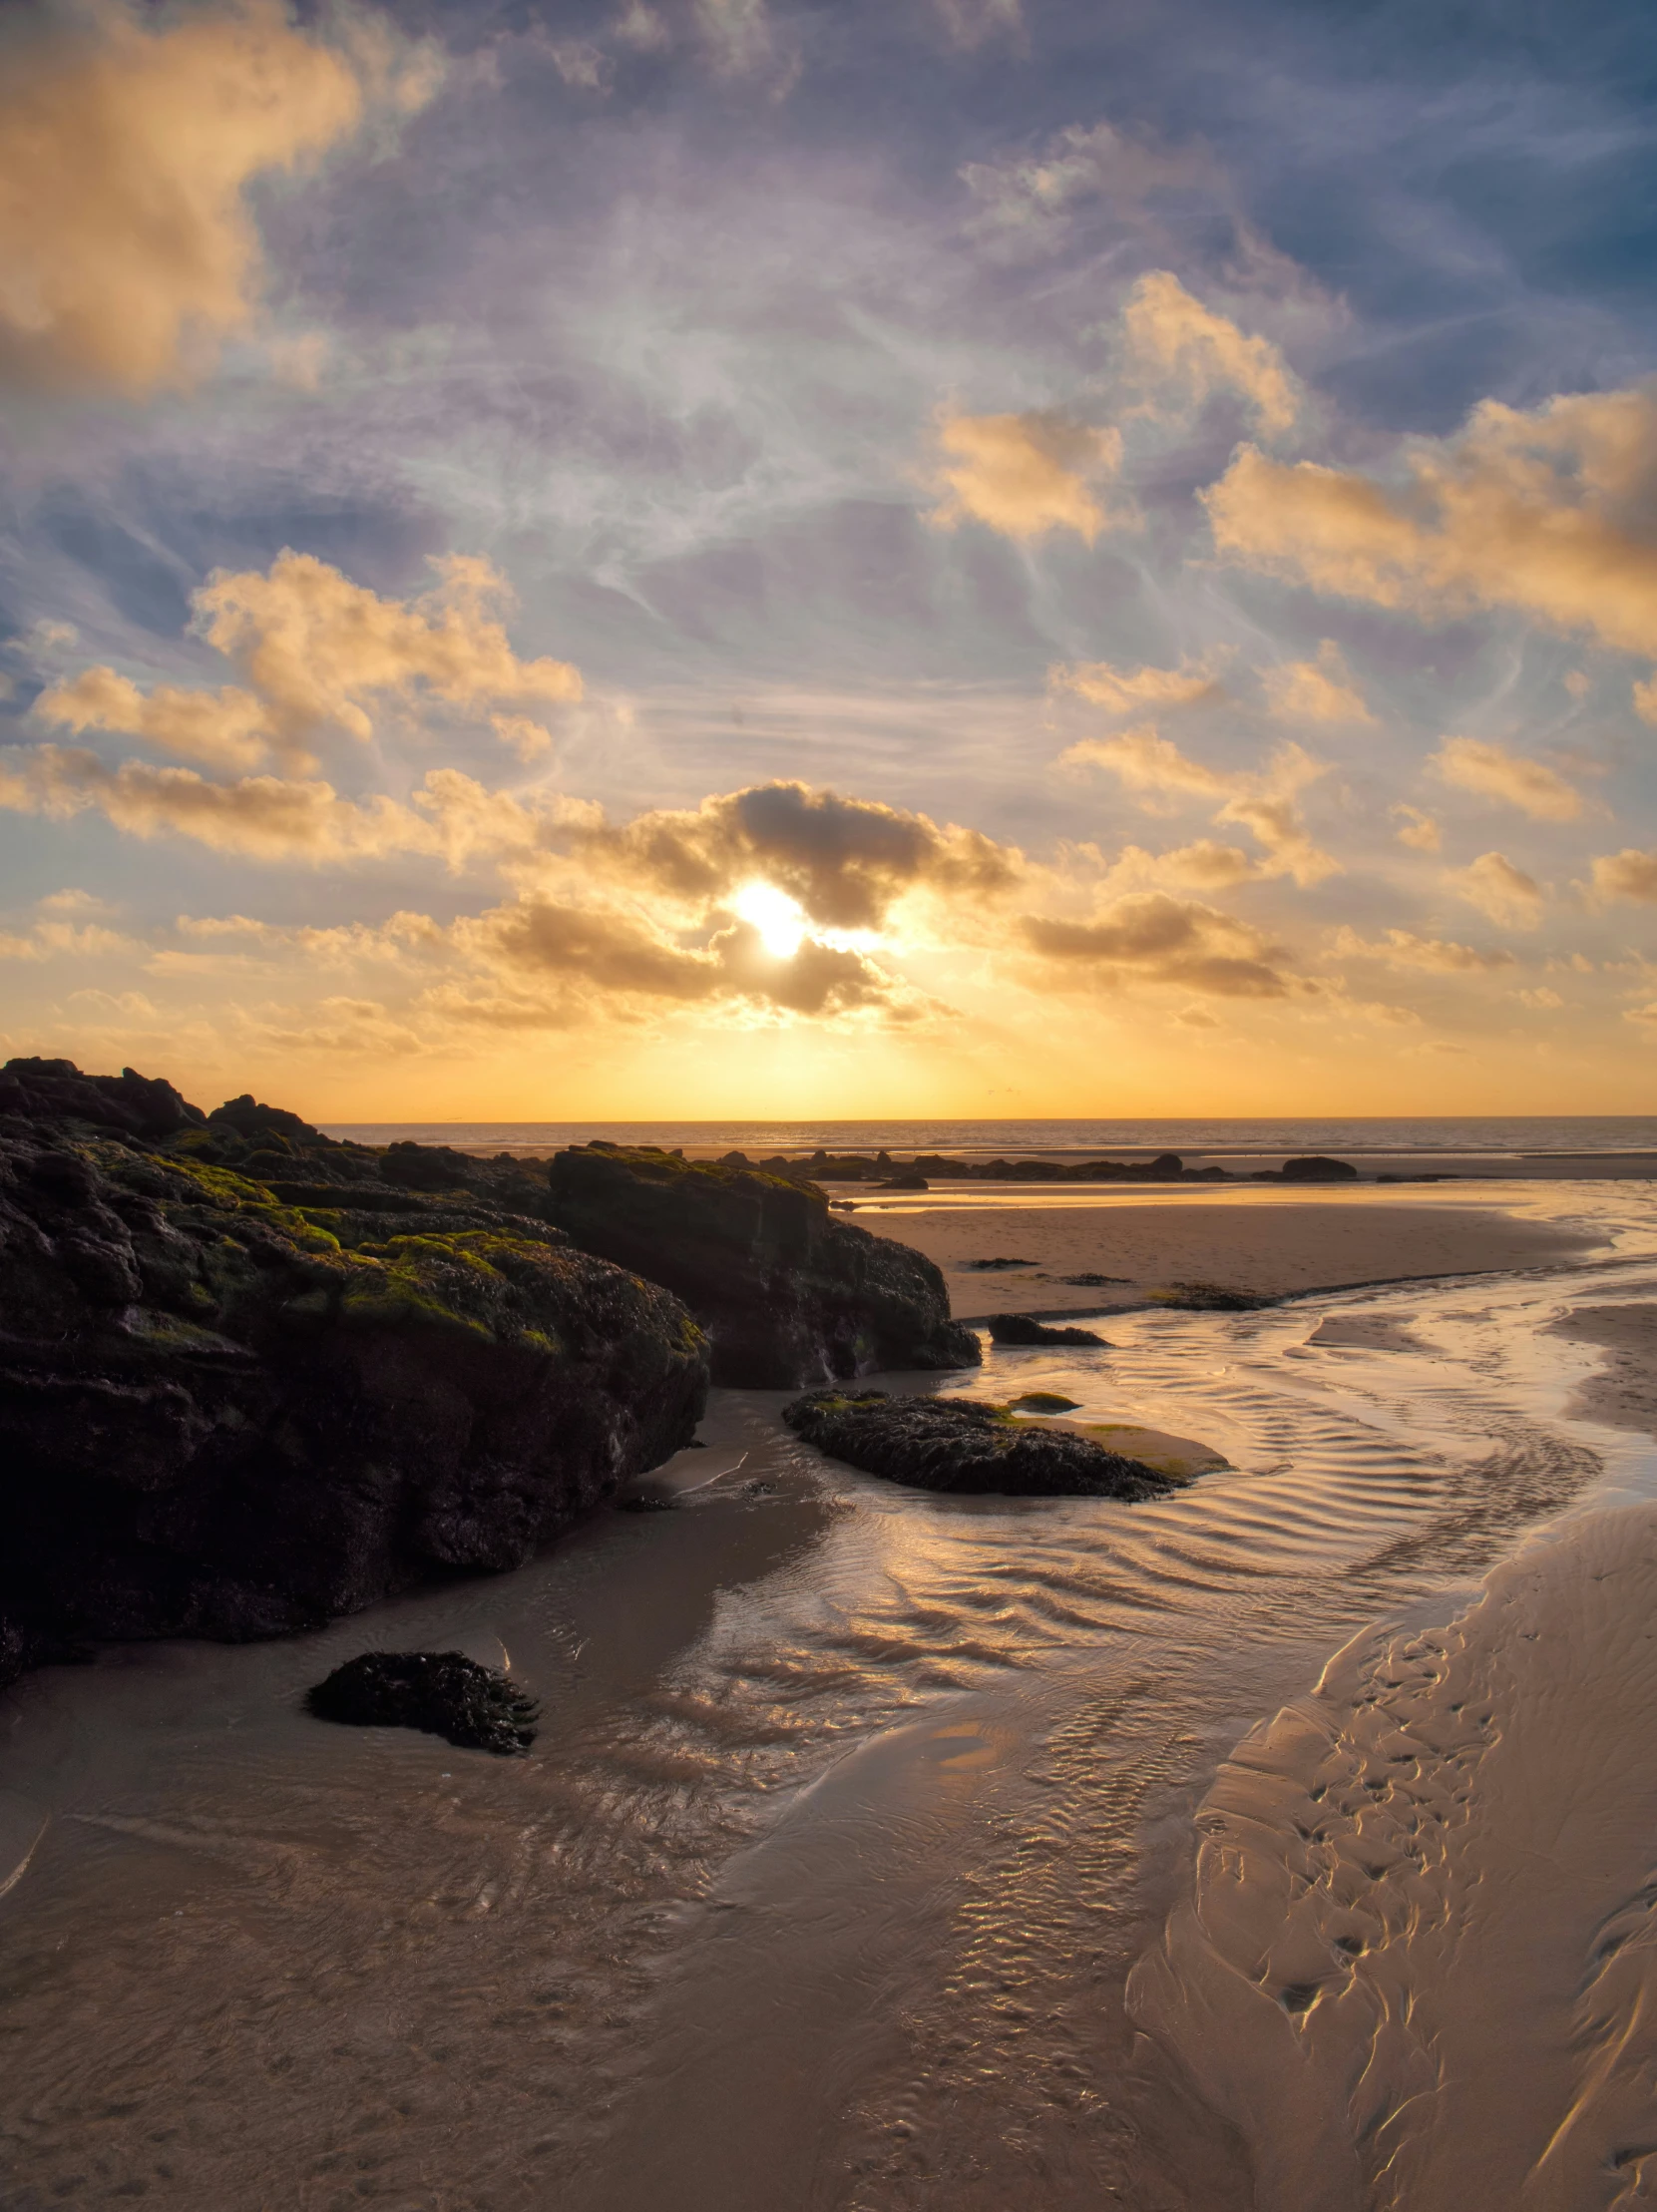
(444, 1694)
(966, 1445)
(1208, 1298)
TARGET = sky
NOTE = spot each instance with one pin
(691, 558)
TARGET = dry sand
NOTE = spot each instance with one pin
(1270, 1242)
(1418, 1969)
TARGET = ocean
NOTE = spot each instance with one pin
(1492, 1139)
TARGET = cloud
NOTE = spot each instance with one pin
(1151, 938)
(1645, 702)
(1400, 948)
(970, 22)
(1177, 346)
(273, 819)
(1207, 865)
(1473, 766)
(1025, 475)
(1419, 831)
(1319, 691)
(317, 652)
(559, 955)
(738, 33)
(227, 729)
(1265, 805)
(1502, 891)
(126, 249)
(1131, 690)
(1024, 193)
(1542, 999)
(1629, 874)
(1545, 513)
(846, 861)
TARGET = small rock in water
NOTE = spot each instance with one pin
(966, 1445)
(1043, 1401)
(442, 1693)
(1022, 1328)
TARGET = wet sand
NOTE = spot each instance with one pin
(1272, 1243)
(856, 1868)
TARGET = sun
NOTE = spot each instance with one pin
(781, 920)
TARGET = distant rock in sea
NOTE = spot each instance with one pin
(786, 1293)
(966, 1445)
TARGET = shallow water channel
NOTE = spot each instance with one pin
(851, 1811)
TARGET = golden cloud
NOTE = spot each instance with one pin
(1265, 805)
(1131, 690)
(1418, 831)
(1025, 475)
(1318, 690)
(1629, 874)
(1501, 890)
(1400, 948)
(1154, 938)
(1544, 512)
(317, 652)
(1179, 347)
(127, 251)
(1473, 766)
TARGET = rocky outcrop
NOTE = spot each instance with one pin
(787, 1293)
(966, 1445)
(443, 1694)
(232, 1403)
(1023, 1328)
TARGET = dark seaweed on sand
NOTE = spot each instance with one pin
(442, 1692)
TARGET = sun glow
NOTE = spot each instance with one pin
(781, 920)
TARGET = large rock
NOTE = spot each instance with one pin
(966, 1445)
(787, 1293)
(225, 1413)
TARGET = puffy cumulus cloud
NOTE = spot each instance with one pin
(1629, 874)
(127, 138)
(1416, 831)
(316, 652)
(1132, 690)
(282, 820)
(1400, 948)
(227, 729)
(1546, 511)
(1501, 890)
(1151, 938)
(1025, 475)
(1266, 805)
(1470, 765)
(319, 648)
(847, 862)
(1318, 690)
(1185, 353)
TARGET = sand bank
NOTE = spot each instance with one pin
(1271, 1242)
(1419, 1965)
(1623, 1394)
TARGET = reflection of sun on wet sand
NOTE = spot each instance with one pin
(1269, 1242)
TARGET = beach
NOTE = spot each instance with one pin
(882, 1850)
